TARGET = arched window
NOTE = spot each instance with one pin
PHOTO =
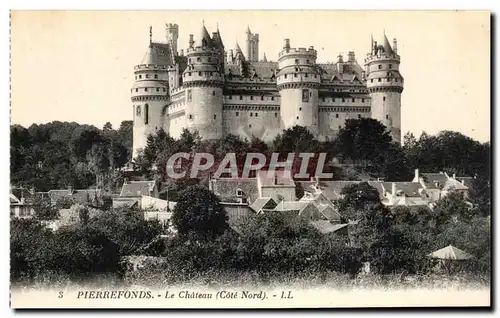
(138, 111)
(146, 114)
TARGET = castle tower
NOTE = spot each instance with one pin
(385, 85)
(252, 46)
(149, 93)
(298, 82)
(203, 80)
(172, 32)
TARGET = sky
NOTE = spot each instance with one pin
(78, 65)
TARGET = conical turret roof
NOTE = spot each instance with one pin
(158, 54)
(387, 46)
(217, 39)
(203, 38)
(265, 58)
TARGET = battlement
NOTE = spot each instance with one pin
(382, 57)
(251, 80)
(155, 67)
(298, 51)
(176, 91)
(171, 25)
(202, 50)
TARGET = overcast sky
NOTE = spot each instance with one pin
(78, 66)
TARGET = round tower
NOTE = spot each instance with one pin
(203, 81)
(385, 85)
(172, 35)
(298, 82)
(149, 97)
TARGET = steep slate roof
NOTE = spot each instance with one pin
(137, 188)
(226, 188)
(81, 196)
(22, 193)
(325, 227)
(291, 206)
(430, 179)
(331, 189)
(387, 46)
(263, 69)
(452, 184)
(410, 189)
(158, 54)
(263, 203)
(203, 38)
(330, 213)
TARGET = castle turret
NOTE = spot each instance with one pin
(385, 85)
(203, 81)
(150, 92)
(252, 47)
(298, 82)
(172, 31)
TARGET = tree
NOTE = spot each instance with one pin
(356, 200)
(44, 210)
(295, 140)
(198, 212)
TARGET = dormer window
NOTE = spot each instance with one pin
(239, 192)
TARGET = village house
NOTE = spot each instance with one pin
(21, 203)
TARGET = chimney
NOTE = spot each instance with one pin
(351, 57)
(340, 58)
(395, 45)
(417, 177)
(287, 44)
(182, 52)
(275, 179)
(191, 41)
(393, 190)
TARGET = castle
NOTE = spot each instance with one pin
(217, 91)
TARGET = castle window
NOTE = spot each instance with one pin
(380, 80)
(237, 114)
(354, 100)
(210, 59)
(336, 115)
(386, 116)
(138, 111)
(198, 59)
(262, 98)
(297, 117)
(199, 73)
(272, 97)
(164, 90)
(379, 66)
(275, 114)
(294, 74)
(146, 114)
(147, 75)
(256, 114)
(189, 95)
(322, 99)
(136, 90)
(383, 98)
(241, 97)
(390, 66)
(211, 73)
(395, 79)
(305, 95)
(371, 81)
(157, 89)
(285, 76)
(136, 77)
(213, 93)
(340, 127)
(215, 116)
(333, 99)
(251, 114)
(343, 100)
(230, 96)
(307, 75)
(189, 74)
(315, 75)
(362, 100)
(296, 61)
(146, 89)
(140, 76)
(251, 97)
(300, 109)
(307, 61)
(156, 75)
(359, 115)
(249, 126)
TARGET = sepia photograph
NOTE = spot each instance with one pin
(250, 159)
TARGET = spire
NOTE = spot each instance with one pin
(237, 48)
(248, 30)
(387, 46)
(150, 35)
(203, 38)
(265, 58)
